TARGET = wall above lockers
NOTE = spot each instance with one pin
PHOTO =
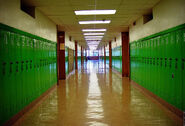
(12, 15)
(69, 42)
(166, 14)
(116, 41)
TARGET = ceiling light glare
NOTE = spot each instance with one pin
(93, 39)
(94, 30)
(95, 12)
(94, 33)
(92, 45)
(95, 22)
(93, 36)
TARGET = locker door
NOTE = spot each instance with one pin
(183, 71)
(17, 71)
(2, 74)
(35, 86)
(11, 75)
(177, 88)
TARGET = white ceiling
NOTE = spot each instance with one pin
(62, 13)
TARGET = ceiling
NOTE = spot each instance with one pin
(62, 13)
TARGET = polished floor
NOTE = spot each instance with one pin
(96, 96)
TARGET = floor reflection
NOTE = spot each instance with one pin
(95, 96)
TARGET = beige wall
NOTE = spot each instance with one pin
(68, 43)
(117, 42)
(166, 14)
(10, 14)
(79, 47)
(71, 59)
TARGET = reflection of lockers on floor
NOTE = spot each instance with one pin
(117, 58)
(157, 64)
(69, 60)
(28, 69)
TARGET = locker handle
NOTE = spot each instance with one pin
(170, 64)
(176, 63)
(22, 66)
(183, 63)
(30, 64)
(11, 67)
(3, 70)
(172, 75)
(17, 70)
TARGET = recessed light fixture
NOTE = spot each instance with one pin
(95, 22)
(95, 12)
(93, 36)
(94, 33)
(93, 44)
(93, 39)
(94, 30)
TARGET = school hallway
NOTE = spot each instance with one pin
(92, 62)
(96, 96)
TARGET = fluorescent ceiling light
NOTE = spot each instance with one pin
(94, 30)
(95, 12)
(93, 36)
(95, 22)
(93, 39)
(94, 33)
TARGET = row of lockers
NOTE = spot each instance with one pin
(163, 46)
(22, 48)
(157, 64)
(28, 69)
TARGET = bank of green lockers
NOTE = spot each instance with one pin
(157, 64)
(28, 69)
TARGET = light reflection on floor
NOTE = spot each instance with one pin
(94, 96)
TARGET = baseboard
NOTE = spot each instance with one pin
(165, 104)
(70, 73)
(12, 120)
(117, 72)
(155, 98)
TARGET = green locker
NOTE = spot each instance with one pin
(23, 69)
(183, 71)
(1, 74)
(35, 68)
(157, 64)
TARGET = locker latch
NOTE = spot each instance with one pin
(17, 70)
(30, 64)
(170, 62)
(176, 63)
(26, 64)
(11, 67)
(172, 75)
(4, 68)
(183, 63)
(22, 65)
